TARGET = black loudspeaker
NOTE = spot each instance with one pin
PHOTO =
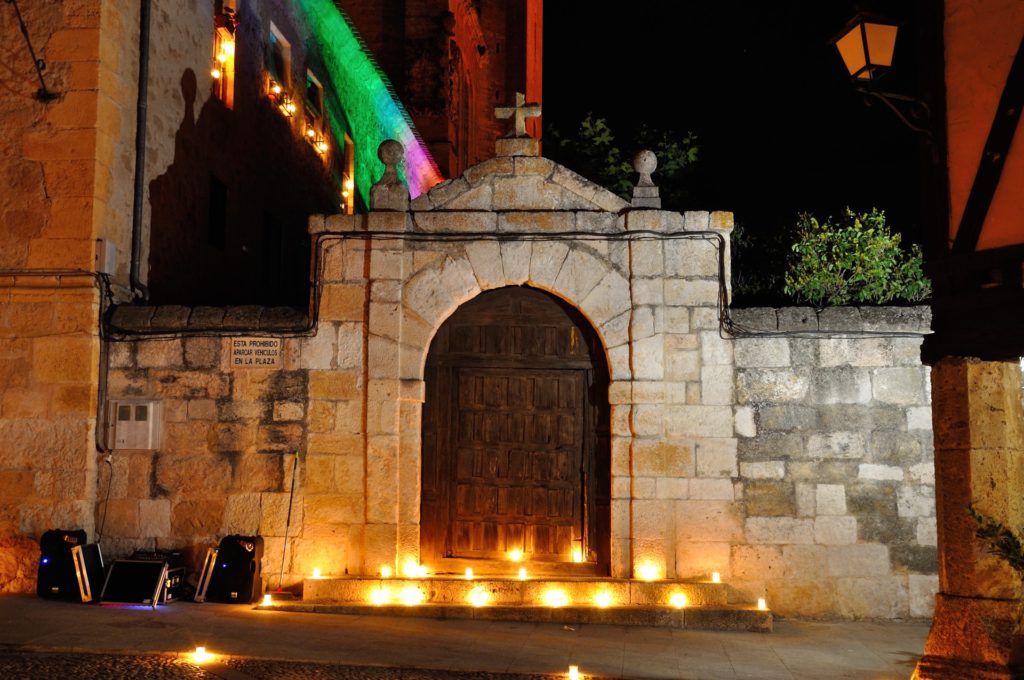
(237, 575)
(56, 577)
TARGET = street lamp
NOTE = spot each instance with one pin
(866, 45)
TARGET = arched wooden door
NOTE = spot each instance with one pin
(515, 434)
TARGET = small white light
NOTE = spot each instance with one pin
(380, 596)
(200, 655)
(422, 571)
(411, 596)
(316, 572)
(411, 568)
(574, 673)
(555, 598)
(522, 573)
(603, 599)
(678, 600)
(221, 57)
(761, 604)
(267, 600)
(577, 555)
(215, 73)
(385, 571)
(228, 47)
(516, 555)
(647, 571)
(478, 597)
(469, 573)
(716, 577)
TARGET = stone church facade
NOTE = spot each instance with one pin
(796, 462)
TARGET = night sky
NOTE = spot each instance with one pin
(779, 126)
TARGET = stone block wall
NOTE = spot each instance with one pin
(835, 476)
(49, 349)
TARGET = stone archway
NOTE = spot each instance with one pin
(516, 435)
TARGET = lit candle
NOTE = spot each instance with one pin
(522, 573)
(380, 596)
(716, 577)
(267, 600)
(647, 571)
(200, 655)
(469, 573)
(478, 597)
(516, 555)
(411, 568)
(555, 598)
(574, 673)
(577, 555)
(603, 599)
(761, 604)
(678, 600)
(411, 595)
(316, 572)
(385, 571)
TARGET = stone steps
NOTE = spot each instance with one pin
(541, 600)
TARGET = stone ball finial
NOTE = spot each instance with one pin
(390, 152)
(645, 163)
(389, 193)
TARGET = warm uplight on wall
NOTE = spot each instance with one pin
(478, 597)
(761, 604)
(555, 597)
(716, 577)
(574, 673)
(648, 571)
(385, 571)
(678, 600)
(515, 555)
(603, 599)
(411, 596)
(380, 596)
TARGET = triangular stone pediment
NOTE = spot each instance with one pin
(514, 183)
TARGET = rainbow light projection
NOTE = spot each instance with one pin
(374, 114)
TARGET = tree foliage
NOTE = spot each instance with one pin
(855, 259)
(593, 151)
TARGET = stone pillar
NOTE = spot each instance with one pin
(979, 461)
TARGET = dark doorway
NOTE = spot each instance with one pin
(516, 435)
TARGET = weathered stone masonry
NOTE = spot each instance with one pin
(799, 468)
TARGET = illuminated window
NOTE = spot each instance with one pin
(279, 59)
(313, 110)
(222, 71)
(348, 184)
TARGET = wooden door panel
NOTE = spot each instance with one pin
(506, 497)
(515, 432)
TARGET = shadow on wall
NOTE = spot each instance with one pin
(229, 216)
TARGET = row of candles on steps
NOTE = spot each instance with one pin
(478, 597)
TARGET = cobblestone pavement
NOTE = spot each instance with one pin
(25, 665)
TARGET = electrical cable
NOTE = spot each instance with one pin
(727, 326)
(42, 94)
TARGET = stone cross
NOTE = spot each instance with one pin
(521, 111)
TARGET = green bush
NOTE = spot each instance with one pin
(854, 259)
